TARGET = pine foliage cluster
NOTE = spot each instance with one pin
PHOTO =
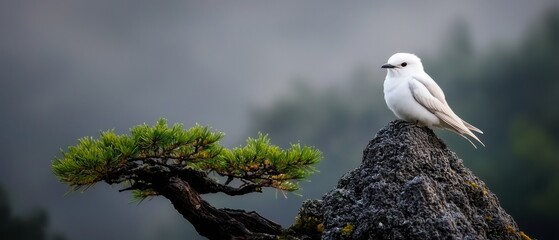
(161, 149)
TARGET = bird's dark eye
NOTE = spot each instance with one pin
(404, 64)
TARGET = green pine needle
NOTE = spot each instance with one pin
(162, 147)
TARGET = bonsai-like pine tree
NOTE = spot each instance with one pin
(181, 164)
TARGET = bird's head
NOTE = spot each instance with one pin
(403, 64)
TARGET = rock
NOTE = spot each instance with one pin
(410, 186)
(308, 223)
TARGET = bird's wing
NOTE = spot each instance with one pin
(438, 93)
(431, 86)
(424, 97)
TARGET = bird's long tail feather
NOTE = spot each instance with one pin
(453, 124)
(471, 127)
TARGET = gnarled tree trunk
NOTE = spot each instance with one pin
(215, 223)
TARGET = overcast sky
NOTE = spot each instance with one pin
(72, 68)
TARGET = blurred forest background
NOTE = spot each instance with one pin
(307, 72)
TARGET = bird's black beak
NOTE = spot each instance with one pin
(388, 65)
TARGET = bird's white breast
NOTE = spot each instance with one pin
(400, 100)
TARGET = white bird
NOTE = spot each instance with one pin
(412, 95)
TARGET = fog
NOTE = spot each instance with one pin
(70, 69)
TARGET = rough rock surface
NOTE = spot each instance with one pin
(410, 186)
